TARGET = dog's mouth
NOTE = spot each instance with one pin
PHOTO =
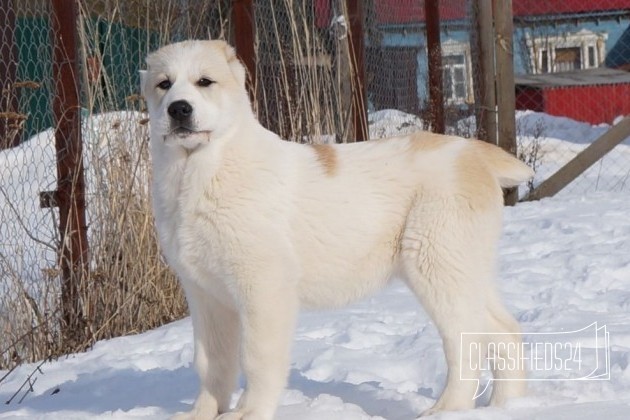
(183, 132)
(187, 138)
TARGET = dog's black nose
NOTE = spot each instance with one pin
(180, 110)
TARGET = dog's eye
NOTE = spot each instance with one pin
(204, 82)
(165, 84)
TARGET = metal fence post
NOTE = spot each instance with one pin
(70, 194)
(244, 39)
(434, 52)
(357, 56)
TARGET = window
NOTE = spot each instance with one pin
(591, 57)
(544, 61)
(567, 52)
(390, 86)
(568, 59)
(456, 74)
(454, 77)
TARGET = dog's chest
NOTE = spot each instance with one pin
(175, 216)
(187, 220)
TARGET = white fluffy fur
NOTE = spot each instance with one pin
(257, 227)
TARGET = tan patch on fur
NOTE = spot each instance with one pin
(427, 141)
(327, 157)
(480, 169)
(475, 181)
(509, 170)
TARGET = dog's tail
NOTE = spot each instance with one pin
(508, 170)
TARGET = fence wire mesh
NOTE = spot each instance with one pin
(571, 61)
(28, 234)
(572, 83)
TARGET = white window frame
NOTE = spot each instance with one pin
(449, 48)
(583, 40)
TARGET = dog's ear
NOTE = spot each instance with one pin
(238, 70)
(143, 80)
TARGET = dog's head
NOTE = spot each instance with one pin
(194, 91)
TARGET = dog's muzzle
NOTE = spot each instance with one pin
(183, 130)
(181, 118)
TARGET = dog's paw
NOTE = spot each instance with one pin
(233, 415)
(237, 415)
(441, 406)
(186, 415)
(427, 413)
(195, 414)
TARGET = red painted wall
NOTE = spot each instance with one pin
(592, 104)
(529, 98)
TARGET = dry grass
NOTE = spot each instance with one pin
(129, 289)
(302, 71)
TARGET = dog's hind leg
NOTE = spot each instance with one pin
(216, 345)
(448, 254)
(509, 377)
(457, 319)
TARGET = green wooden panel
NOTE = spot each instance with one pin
(123, 50)
(32, 37)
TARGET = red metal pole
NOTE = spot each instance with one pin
(357, 54)
(244, 39)
(70, 194)
(434, 51)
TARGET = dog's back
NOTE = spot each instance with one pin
(367, 193)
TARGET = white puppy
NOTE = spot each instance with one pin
(257, 227)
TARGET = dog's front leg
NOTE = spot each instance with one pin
(267, 324)
(215, 327)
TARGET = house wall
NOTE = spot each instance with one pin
(530, 98)
(456, 31)
(592, 104)
(417, 39)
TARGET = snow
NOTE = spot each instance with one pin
(560, 139)
(564, 264)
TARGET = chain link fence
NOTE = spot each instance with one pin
(571, 61)
(28, 234)
(128, 288)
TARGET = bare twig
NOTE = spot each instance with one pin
(26, 382)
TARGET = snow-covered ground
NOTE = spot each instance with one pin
(564, 265)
